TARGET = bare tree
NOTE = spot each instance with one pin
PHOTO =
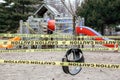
(72, 10)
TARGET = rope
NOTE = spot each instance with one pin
(27, 25)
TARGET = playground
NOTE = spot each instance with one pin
(59, 40)
(59, 27)
(52, 23)
(50, 34)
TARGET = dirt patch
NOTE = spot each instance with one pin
(42, 72)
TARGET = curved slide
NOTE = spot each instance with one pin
(84, 30)
(7, 43)
(91, 32)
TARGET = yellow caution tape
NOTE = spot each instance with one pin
(54, 36)
(57, 49)
(5, 43)
(64, 42)
(58, 63)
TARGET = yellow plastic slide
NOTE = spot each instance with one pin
(7, 43)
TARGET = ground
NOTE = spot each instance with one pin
(42, 72)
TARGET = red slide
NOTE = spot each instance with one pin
(90, 32)
(84, 30)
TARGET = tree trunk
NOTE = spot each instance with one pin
(102, 30)
(74, 24)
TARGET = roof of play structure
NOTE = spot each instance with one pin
(46, 7)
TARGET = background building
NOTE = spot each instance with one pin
(57, 4)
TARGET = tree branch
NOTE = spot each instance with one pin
(67, 7)
(73, 12)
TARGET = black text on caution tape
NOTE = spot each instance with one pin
(57, 63)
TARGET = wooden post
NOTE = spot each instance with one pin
(21, 26)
